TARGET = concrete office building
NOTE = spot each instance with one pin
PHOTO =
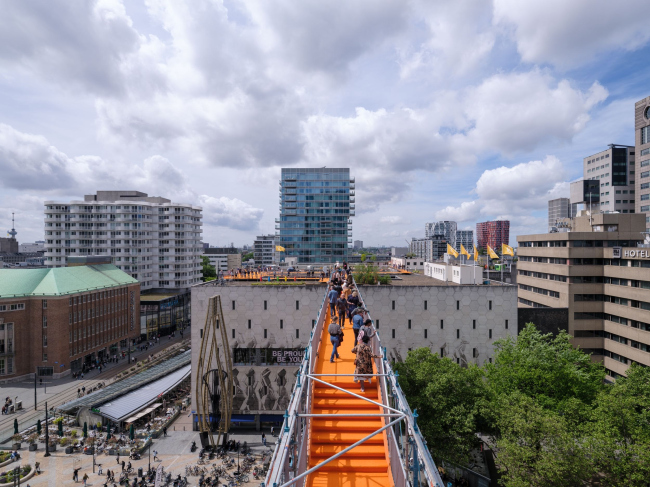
(152, 239)
(445, 229)
(466, 239)
(269, 328)
(358, 244)
(264, 250)
(493, 233)
(428, 249)
(642, 150)
(38, 246)
(223, 259)
(315, 210)
(614, 170)
(597, 273)
(58, 321)
(9, 245)
(558, 209)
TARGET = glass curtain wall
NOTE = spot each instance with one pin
(315, 210)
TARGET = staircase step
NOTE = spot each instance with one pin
(343, 464)
(346, 425)
(369, 393)
(346, 438)
(348, 479)
(325, 450)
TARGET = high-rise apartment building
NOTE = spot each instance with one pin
(642, 150)
(315, 209)
(358, 244)
(264, 250)
(493, 233)
(464, 238)
(445, 229)
(614, 170)
(223, 259)
(558, 209)
(599, 272)
(152, 239)
(428, 249)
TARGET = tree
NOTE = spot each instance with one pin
(450, 401)
(209, 271)
(363, 257)
(248, 256)
(622, 429)
(410, 255)
(549, 369)
(538, 447)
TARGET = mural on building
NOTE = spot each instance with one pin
(265, 388)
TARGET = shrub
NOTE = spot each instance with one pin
(64, 441)
(74, 434)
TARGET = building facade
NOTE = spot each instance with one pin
(270, 326)
(493, 233)
(8, 245)
(466, 239)
(614, 170)
(224, 259)
(642, 150)
(445, 229)
(558, 209)
(600, 274)
(264, 250)
(358, 244)
(38, 246)
(428, 249)
(152, 239)
(57, 321)
(315, 210)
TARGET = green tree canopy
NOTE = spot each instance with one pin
(209, 271)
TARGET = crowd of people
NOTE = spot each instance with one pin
(345, 304)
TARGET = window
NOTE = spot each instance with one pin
(393, 334)
(45, 340)
(409, 324)
(264, 332)
(281, 324)
(457, 333)
(645, 135)
(442, 351)
(506, 324)
(442, 324)
(490, 305)
(297, 333)
(44, 321)
(44, 357)
(201, 333)
(425, 333)
(393, 305)
(249, 324)
(265, 305)
(233, 331)
(425, 305)
(45, 304)
(457, 304)
(297, 305)
(473, 324)
(377, 324)
(490, 333)
(233, 305)
(474, 352)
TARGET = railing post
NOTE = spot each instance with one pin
(384, 352)
(298, 379)
(286, 420)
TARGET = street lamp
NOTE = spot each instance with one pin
(35, 374)
(47, 434)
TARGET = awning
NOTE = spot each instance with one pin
(141, 400)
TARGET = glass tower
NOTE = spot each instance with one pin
(315, 210)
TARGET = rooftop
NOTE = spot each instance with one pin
(60, 281)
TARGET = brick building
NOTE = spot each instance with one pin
(58, 321)
(493, 233)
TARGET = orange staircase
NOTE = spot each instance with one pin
(365, 465)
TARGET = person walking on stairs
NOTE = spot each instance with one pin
(335, 337)
(363, 372)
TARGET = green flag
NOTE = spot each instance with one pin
(61, 428)
(132, 432)
(15, 426)
(38, 427)
(85, 430)
(108, 431)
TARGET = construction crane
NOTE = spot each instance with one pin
(214, 378)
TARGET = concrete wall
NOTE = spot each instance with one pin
(458, 337)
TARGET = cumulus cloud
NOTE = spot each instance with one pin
(467, 211)
(29, 162)
(572, 33)
(392, 220)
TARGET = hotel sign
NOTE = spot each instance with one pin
(619, 252)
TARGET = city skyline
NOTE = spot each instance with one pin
(128, 96)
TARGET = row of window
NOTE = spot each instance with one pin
(533, 304)
(542, 275)
(12, 307)
(539, 290)
(612, 336)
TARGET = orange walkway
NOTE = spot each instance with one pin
(367, 464)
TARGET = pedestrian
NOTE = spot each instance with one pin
(342, 308)
(155, 455)
(367, 329)
(118, 458)
(332, 296)
(164, 430)
(122, 465)
(78, 392)
(363, 363)
(85, 478)
(272, 430)
(335, 337)
(263, 439)
(357, 322)
(100, 472)
(82, 375)
(83, 389)
(75, 475)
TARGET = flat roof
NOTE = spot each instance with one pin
(156, 297)
(60, 281)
